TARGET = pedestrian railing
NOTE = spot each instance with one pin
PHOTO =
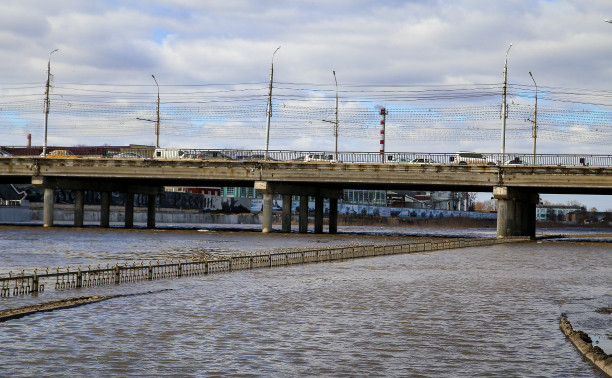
(71, 278)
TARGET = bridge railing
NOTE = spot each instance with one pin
(514, 159)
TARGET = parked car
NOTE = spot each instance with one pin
(515, 161)
(250, 157)
(471, 158)
(318, 157)
(421, 161)
(66, 154)
(5, 154)
(129, 155)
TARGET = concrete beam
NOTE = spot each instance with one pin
(297, 190)
(93, 185)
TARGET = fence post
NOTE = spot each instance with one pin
(35, 281)
(180, 269)
(117, 274)
(79, 282)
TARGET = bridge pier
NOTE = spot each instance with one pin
(516, 211)
(151, 210)
(286, 214)
(333, 215)
(266, 211)
(129, 210)
(303, 215)
(105, 210)
(318, 215)
(268, 189)
(79, 208)
(48, 207)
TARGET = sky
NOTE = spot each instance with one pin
(437, 66)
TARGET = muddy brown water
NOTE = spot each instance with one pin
(464, 312)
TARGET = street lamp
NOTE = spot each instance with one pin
(269, 111)
(44, 151)
(156, 123)
(504, 105)
(610, 21)
(535, 118)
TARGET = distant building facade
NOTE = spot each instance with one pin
(557, 213)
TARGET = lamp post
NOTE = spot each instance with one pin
(504, 105)
(269, 111)
(44, 151)
(535, 118)
(157, 123)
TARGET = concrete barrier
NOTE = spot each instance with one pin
(583, 343)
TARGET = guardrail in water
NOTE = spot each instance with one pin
(21, 283)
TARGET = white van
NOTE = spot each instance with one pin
(169, 153)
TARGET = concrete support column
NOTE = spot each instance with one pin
(151, 210)
(79, 208)
(266, 211)
(333, 215)
(286, 215)
(129, 210)
(515, 212)
(48, 207)
(318, 221)
(303, 214)
(105, 210)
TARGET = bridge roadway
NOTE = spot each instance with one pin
(516, 187)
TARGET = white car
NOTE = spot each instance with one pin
(318, 157)
(421, 161)
(471, 158)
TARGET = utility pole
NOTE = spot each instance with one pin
(269, 111)
(336, 123)
(44, 151)
(157, 123)
(504, 109)
(535, 119)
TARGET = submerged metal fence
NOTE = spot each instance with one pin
(69, 278)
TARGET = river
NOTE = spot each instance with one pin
(463, 312)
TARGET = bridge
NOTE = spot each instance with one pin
(515, 186)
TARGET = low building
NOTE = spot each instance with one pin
(557, 213)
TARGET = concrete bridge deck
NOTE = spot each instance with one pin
(515, 186)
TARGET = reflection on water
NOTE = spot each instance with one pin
(464, 312)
